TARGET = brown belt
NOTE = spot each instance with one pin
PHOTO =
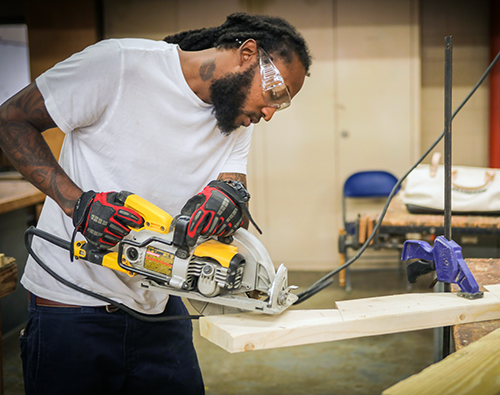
(51, 303)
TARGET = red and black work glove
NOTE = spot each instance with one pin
(102, 218)
(216, 211)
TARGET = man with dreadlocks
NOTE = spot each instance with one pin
(161, 119)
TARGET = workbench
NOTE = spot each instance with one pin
(18, 193)
(399, 225)
(486, 272)
(398, 220)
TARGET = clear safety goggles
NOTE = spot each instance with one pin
(276, 93)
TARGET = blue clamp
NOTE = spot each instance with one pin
(446, 259)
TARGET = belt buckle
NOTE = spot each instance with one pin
(111, 308)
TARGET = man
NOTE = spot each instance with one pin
(160, 119)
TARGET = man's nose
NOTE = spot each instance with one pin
(268, 113)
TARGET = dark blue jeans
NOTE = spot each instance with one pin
(90, 351)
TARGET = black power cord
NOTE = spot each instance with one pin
(28, 238)
(327, 280)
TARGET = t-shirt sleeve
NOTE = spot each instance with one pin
(237, 161)
(79, 89)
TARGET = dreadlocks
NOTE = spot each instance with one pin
(273, 34)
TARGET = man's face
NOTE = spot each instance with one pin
(238, 97)
(229, 95)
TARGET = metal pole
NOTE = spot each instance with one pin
(448, 60)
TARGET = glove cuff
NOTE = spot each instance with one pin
(238, 193)
(81, 206)
(234, 189)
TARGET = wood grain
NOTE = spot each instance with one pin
(474, 369)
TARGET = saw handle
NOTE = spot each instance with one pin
(104, 258)
(155, 219)
(82, 249)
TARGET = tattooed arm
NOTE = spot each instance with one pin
(23, 118)
(236, 177)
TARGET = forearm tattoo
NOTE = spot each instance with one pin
(22, 120)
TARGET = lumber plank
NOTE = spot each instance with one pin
(494, 289)
(353, 318)
(474, 369)
(253, 331)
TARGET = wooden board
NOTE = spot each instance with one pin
(353, 318)
(474, 369)
(18, 194)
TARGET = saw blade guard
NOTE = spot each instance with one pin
(259, 271)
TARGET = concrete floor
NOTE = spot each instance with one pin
(362, 366)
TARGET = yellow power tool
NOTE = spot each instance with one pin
(216, 278)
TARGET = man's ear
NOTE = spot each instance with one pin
(248, 51)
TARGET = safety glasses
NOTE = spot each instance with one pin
(276, 93)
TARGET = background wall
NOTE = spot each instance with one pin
(56, 30)
(468, 22)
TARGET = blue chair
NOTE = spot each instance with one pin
(362, 185)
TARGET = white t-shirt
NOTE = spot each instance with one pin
(131, 123)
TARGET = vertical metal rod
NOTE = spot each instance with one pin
(448, 60)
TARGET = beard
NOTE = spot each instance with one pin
(228, 95)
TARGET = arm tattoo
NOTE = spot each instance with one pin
(22, 120)
(207, 69)
(233, 177)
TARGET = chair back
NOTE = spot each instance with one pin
(374, 183)
(367, 184)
